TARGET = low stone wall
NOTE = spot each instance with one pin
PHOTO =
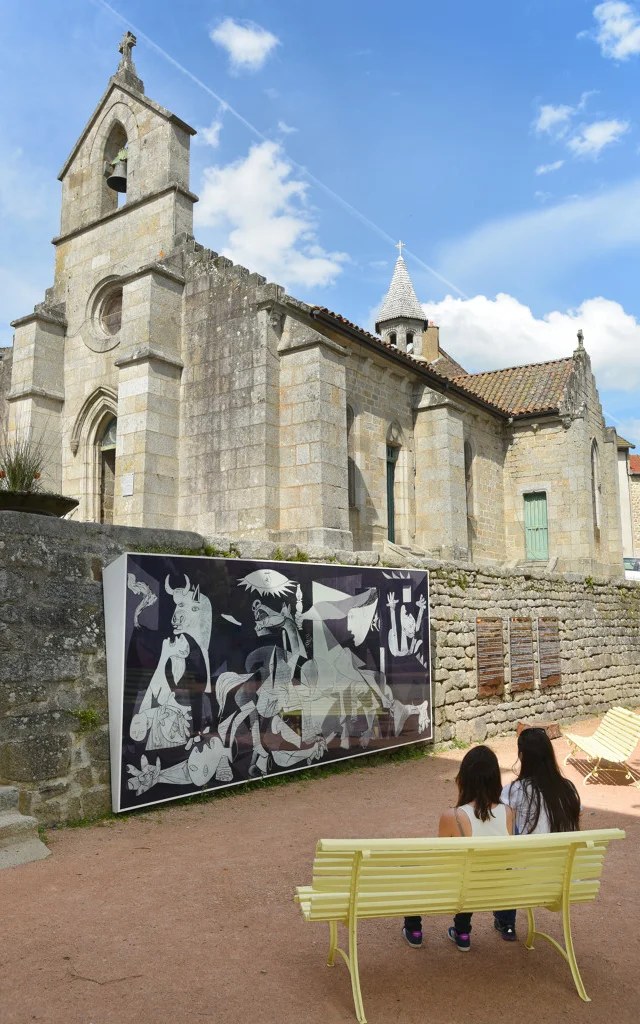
(53, 688)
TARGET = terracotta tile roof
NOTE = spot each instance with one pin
(634, 463)
(516, 391)
(519, 390)
(446, 364)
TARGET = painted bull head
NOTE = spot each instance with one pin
(188, 609)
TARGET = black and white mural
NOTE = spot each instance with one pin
(224, 670)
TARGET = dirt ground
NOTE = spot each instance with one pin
(187, 913)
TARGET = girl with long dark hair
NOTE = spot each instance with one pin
(542, 799)
(478, 812)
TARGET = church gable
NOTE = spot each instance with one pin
(150, 144)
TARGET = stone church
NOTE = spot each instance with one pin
(177, 390)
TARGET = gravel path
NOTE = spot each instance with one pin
(186, 914)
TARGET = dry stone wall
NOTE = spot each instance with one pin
(599, 627)
(53, 688)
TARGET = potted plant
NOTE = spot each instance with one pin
(22, 463)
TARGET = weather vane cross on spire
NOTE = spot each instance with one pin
(400, 246)
(126, 46)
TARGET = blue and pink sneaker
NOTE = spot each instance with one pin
(462, 941)
(414, 938)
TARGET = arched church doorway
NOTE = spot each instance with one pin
(107, 449)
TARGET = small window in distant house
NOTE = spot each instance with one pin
(392, 338)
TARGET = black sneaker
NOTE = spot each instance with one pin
(507, 931)
(462, 940)
(413, 938)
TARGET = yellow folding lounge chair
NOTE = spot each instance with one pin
(614, 741)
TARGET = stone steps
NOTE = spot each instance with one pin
(19, 840)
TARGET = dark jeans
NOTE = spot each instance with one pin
(462, 922)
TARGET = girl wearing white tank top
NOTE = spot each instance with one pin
(478, 812)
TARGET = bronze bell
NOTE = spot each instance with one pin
(117, 177)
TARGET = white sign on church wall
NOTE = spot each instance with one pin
(226, 670)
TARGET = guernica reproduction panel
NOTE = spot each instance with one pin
(225, 670)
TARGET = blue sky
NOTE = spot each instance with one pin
(499, 141)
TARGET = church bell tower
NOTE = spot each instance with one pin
(97, 365)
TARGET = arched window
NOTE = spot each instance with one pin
(351, 458)
(107, 449)
(392, 458)
(468, 476)
(393, 338)
(409, 341)
(596, 487)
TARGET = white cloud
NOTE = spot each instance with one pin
(285, 128)
(211, 135)
(553, 120)
(247, 44)
(262, 210)
(486, 334)
(592, 138)
(618, 31)
(549, 168)
(588, 140)
(530, 249)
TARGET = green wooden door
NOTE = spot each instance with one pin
(392, 458)
(535, 526)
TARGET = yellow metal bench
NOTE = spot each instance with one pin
(355, 879)
(614, 741)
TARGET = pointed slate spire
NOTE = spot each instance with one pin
(401, 302)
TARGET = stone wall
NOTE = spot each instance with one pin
(53, 689)
(634, 488)
(381, 401)
(6, 363)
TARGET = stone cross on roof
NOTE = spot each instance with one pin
(126, 68)
(400, 246)
(125, 47)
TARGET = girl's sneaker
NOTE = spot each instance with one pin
(507, 932)
(462, 941)
(413, 938)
